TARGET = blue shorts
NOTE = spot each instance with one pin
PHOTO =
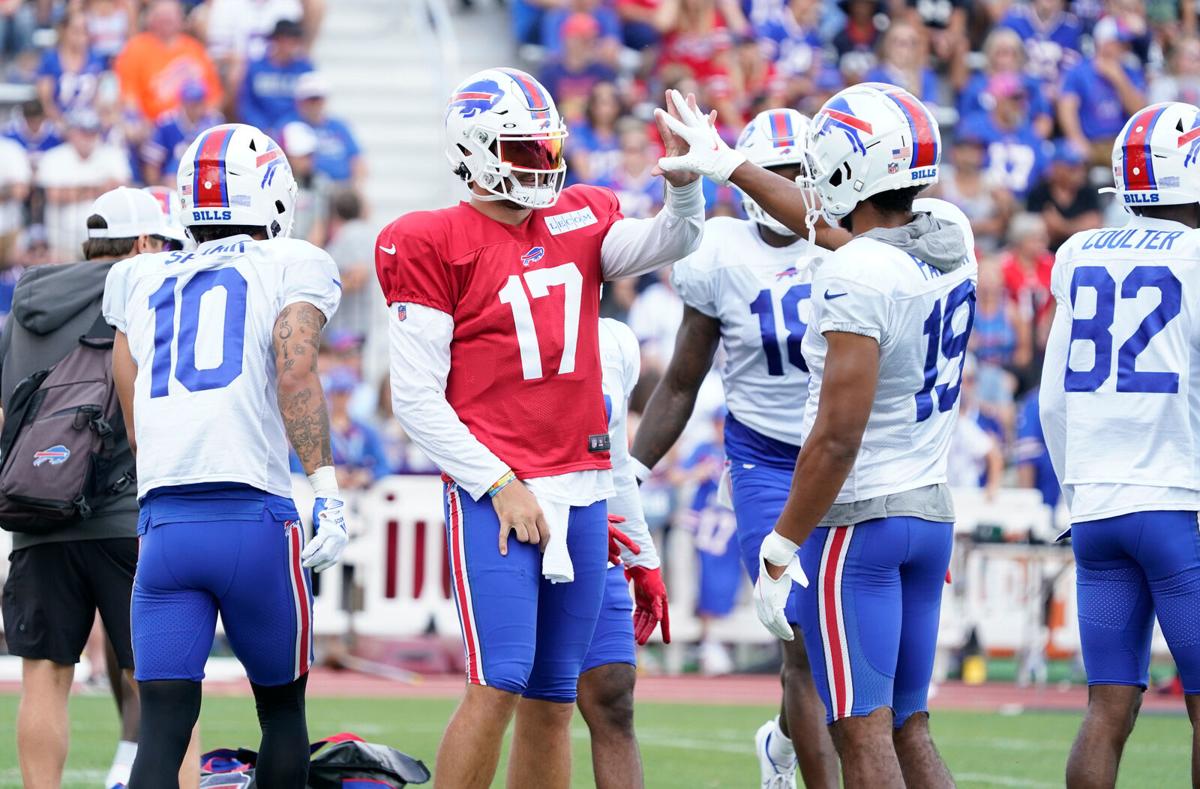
(1130, 569)
(521, 633)
(231, 550)
(761, 470)
(870, 613)
(613, 640)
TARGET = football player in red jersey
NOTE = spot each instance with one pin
(496, 376)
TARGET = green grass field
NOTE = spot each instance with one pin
(683, 745)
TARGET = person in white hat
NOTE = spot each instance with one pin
(61, 577)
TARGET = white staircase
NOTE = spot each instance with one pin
(391, 72)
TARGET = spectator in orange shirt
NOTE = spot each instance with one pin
(156, 64)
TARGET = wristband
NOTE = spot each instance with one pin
(640, 470)
(777, 549)
(324, 483)
(502, 483)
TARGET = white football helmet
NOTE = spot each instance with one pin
(867, 139)
(504, 134)
(234, 174)
(1155, 156)
(171, 206)
(775, 138)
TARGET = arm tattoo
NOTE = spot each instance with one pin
(301, 399)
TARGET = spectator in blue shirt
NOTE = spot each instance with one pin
(1099, 94)
(268, 95)
(174, 132)
(1015, 155)
(33, 130)
(608, 39)
(358, 452)
(1005, 54)
(69, 75)
(1034, 469)
(338, 156)
(1053, 38)
(903, 53)
(572, 76)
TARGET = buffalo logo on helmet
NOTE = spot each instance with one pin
(1191, 136)
(476, 98)
(837, 116)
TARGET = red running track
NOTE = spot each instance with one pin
(734, 689)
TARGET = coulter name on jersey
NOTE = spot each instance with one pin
(1123, 420)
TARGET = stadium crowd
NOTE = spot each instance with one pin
(1029, 96)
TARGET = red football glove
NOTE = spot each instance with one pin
(650, 597)
(617, 538)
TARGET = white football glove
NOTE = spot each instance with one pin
(770, 594)
(707, 153)
(329, 522)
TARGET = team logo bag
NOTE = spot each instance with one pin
(342, 761)
(62, 430)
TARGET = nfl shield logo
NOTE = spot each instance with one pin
(401, 311)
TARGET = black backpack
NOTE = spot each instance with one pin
(342, 761)
(63, 447)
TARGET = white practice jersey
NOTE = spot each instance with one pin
(921, 318)
(621, 364)
(1120, 394)
(200, 327)
(761, 295)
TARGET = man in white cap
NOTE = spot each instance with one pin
(339, 156)
(62, 574)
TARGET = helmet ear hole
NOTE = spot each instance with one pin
(279, 207)
(836, 178)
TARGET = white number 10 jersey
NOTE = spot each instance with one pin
(1120, 397)
(200, 328)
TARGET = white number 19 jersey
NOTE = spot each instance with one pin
(921, 317)
(1121, 388)
(200, 328)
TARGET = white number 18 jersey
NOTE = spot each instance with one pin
(921, 317)
(200, 328)
(1121, 389)
(760, 294)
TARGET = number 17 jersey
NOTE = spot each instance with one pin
(1130, 387)
(200, 327)
(525, 375)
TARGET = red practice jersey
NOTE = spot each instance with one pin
(525, 358)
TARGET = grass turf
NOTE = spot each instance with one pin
(683, 745)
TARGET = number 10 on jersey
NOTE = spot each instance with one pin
(233, 332)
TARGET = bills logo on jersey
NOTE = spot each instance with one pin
(55, 456)
(533, 256)
(837, 116)
(476, 98)
(790, 271)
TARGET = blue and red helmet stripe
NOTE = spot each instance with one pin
(1139, 164)
(783, 135)
(920, 123)
(536, 98)
(209, 183)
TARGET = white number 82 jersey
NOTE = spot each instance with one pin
(200, 328)
(1120, 396)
